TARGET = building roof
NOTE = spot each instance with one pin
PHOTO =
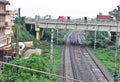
(104, 17)
(9, 12)
(3, 13)
(5, 2)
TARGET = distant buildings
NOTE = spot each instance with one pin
(5, 23)
(101, 17)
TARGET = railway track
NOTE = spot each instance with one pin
(79, 63)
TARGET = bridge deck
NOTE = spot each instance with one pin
(75, 24)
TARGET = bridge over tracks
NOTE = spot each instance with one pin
(110, 26)
(76, 24)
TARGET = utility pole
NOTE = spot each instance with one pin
(18, 12)
(17, 35)
(118, 36)
(116, 58)
(57, 35)
(51, 53)
(17, 40)
(95, 40)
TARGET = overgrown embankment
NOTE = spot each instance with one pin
(23, 34)
(104, 52)
(35, 61)
(107, 57)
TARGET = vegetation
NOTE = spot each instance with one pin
(107, 57)
(24, 35)
(42, 62)
(116, 13)
(102, 38)
(61, 33)
(35, 61)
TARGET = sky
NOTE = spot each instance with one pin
(72, 8)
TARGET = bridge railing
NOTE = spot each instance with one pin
(55, 21)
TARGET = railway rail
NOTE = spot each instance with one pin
(79, 63)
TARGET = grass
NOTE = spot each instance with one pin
(106, 57)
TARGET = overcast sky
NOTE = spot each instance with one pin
(55, 8)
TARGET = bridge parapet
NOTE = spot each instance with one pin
(110, 26)
(30, 20)
(76, 24)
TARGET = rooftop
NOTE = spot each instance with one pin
(5, 2)
(107, 17)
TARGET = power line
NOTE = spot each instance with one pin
(34, 70)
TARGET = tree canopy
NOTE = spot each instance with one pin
(116, 13)
(38, 62)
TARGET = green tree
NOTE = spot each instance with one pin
(102, 38)
(35, 61)
(24, 35)
(116, 13)
(38, 62)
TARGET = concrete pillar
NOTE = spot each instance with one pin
(37, 33)
(31, 26)
(41, 33)
(37, 29)
(118, 39)
(113, 36)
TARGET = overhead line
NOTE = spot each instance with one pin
(34, 70)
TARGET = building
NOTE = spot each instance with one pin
(61, 18)
(5, 23)
(103, 18)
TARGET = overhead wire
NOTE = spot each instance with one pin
(34, 70)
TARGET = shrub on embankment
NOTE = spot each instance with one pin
(38, 62)
(107, 57)
(102, 38)
(23, 34)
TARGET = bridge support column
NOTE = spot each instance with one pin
(118, 39)
(41, 33)
(113, 37)
(31, 27)
(37, 33)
